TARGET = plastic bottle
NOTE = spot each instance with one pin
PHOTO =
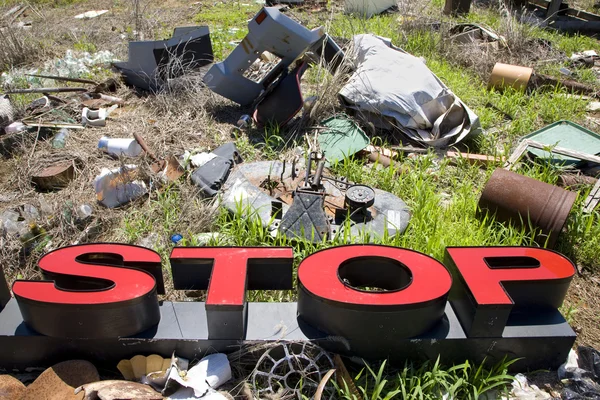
(61, 137)
(120, 147)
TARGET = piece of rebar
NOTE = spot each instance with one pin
(64, 78)
(47, 90)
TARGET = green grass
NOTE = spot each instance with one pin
(227, 23)
(442, 197)
(429, 381)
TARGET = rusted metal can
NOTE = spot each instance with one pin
(514, 198)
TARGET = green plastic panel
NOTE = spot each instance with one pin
(568, 135)
(343, 138)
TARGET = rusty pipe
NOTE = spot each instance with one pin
(514, 198)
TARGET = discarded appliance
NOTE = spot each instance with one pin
(120, 146)
(269, 31)
(118, 186)
(55, 176)
(506, 75)
(527, 202)
(368, 8)
(567, 135)
(342, 138)
(211, 175)
(301, 204)
(152, 63)
(407, 97)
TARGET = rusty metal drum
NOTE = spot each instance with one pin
(523, 201)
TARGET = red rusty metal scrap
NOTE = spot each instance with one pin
(524, 201)
(56, 176)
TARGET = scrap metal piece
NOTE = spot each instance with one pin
(527, 202)
(359, 197)
(306, 218)
(55, 176)
(254, 188)
(151, 62)
(296, 367)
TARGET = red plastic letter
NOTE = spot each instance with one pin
(87, 298)
(493, 280)
(228, 272)
(362, 292)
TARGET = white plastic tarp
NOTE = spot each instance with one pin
(395, 90)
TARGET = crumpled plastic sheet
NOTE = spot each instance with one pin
(73, 65)
(581, 375)
(395, 90)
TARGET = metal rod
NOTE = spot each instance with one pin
(64, 78)
(47, 90)
(318, 174)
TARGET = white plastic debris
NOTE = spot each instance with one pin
(200, 159)
(73, 65)
(120, 146)
(118, 186)
(90, 14)
(15, 127)
(586, 53)
(201, 380)
(93, 117)
(521, 390)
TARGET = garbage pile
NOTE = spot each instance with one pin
(285, 370)
(299, 197)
